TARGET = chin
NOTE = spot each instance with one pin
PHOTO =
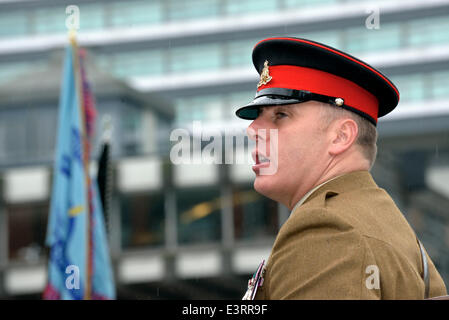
(267, 186)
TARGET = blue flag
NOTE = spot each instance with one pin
(73, 212)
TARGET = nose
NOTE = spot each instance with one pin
(258, 128)
(256, 125)
(251, 131)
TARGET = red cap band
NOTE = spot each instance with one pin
(316, 81)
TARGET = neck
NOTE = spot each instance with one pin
(336, 167)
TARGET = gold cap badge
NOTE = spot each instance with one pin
(264, 75)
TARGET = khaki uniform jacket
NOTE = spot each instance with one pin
(348, 240)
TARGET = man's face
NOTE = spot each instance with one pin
(296, 159)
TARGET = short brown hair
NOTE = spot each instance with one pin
(367, 133)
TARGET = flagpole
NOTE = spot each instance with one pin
(77, 70)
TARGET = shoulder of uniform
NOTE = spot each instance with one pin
(318, 217)
(352, 208)
(354, 186)
(309, 242)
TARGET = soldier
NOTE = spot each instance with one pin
(345, 238)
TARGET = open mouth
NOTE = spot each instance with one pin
(260, 161)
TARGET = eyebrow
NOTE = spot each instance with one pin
(275, 108)
(283, 108)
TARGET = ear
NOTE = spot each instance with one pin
(343, 133)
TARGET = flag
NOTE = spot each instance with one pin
(101, 275)
(67, 225)
(79, 265)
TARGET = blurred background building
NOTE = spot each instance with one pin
(199, 231)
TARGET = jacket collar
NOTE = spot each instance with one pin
(344, 183)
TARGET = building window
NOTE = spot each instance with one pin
(192, 9)
(234, 101)
(27, 226)
(142, 220)
(49, 20)
(361, 39)
(411, 87)
(428, 31)
(131, 125)
(329, 37)
(255, 216)
(303, 3)
(92, 16)
(249, 6)
(200, 108)
(440, 85)
(13, 24)
(138, 63)
(196, 58)
(134, 13)
(238, 53)
(199, 214)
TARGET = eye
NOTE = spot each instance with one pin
(280, 115)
